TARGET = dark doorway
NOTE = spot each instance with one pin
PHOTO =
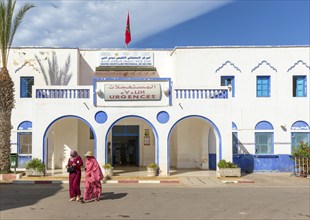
(125, 145)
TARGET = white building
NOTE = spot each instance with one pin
(184, 108)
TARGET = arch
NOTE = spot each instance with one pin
(25, 125)
(300, 125)
(263, 125)
(192, 116)
(261, 63)
(234, 126)
(139, 117)
(62, 117)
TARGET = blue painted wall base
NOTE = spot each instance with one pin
(264, 163)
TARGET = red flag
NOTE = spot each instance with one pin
(127, 33)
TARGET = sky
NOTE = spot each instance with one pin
(164, 23)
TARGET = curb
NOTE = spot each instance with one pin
(238, 181)
(104, 182)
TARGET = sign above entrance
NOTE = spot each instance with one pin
(132, 92)
(126, 59)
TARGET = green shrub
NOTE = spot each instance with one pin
(303, 150)
(225, 164)
(152, 165)
(36, 164)
(107, 166)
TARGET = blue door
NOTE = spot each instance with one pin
(125, 145)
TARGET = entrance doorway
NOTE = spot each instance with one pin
(125, 145)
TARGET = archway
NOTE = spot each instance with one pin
(64, 134)
(194, 142)
(131, 141)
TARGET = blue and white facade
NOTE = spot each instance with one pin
(187, 107)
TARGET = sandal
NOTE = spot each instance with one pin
(78, 199)
(72, 199)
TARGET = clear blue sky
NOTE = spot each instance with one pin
(164, 23)
(240, 23)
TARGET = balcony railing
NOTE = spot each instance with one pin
(63, 93)
(201, 93)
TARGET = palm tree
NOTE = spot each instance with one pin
(8, 26)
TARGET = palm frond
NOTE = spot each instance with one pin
(42, 69)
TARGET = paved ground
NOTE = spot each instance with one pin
(270, 197)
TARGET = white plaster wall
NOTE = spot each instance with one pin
(188, 68)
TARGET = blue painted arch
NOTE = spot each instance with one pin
(25, 125)
(138, 117)
(300, 125)
(62, 117)
(193, 116)
(263, 125)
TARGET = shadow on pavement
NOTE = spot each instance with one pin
(112, 195)
(19, 195)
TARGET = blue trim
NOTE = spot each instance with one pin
(139, 117)
(264, 163)
(268, 64)
(44, 156)
(101, 117)
(228, 62)
(263, 125)
(300, 125)
(25, 125)
(194, 116)
(234, 126)
(163, 117)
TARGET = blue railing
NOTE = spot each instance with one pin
(201, 93)
(62, 93)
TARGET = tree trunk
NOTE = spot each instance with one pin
(6, 106)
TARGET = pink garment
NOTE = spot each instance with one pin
(93, 177)
(75, 177)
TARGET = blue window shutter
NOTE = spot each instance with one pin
(299, 86)
(26, 84)
(263, 86)
(23, 87)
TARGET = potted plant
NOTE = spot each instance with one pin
(152, 169)
(35, 167)
(107, 171)
(227, 169)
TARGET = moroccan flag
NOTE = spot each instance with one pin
(127, 33)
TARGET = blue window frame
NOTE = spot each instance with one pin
(26, 84)
(229, 80)
(263, 86)
(299, 86)
(263, 142)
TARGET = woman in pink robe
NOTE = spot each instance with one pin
(93, 177)
(75, 176)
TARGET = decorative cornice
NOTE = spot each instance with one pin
(125, 68)
(299, 61)
(228, 62)
(268, 64)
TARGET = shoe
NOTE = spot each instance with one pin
(78, 199)
(72, 199)
(98, 199)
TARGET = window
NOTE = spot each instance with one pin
(26, 84)
(298, 137)
(264, 143)
(235, 142)
(229, 80)
(299, 86)
(263, 86)
(25, 143)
